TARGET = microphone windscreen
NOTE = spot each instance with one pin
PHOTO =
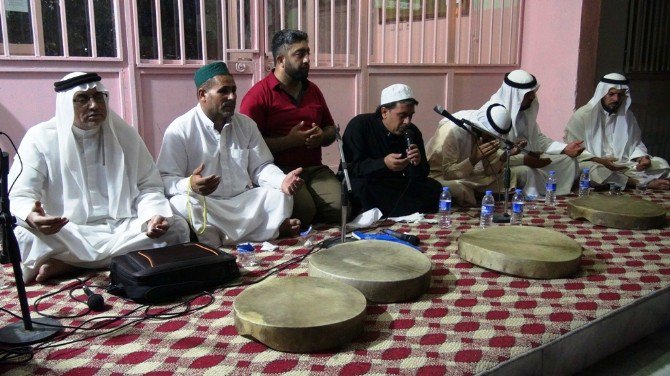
(95, 302)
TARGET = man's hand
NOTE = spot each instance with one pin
(609, 163)
(643, 163)
(531, 160)
(414, 155)
(481, 151)
(203, 185)
(573, 149)
(314, 138)
(395, 162)
(299, 137)
(292, 182)
(46, 224)
(157, 226)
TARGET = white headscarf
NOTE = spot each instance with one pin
(626, 134)
(118, 188)
(491, 117)
(515, 86)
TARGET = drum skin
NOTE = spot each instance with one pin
(385, 272)
(531, 252)
(300, 314)
(622, 212)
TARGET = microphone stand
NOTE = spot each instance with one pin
(27, 331)
(505, 216)
(346, 185)
(509, 145)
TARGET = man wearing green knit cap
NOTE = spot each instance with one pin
(219, 173)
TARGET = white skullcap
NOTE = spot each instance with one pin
(396, 92)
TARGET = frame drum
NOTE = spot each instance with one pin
(384, 271)
(532, 252)
(300, 314)
(623, 212)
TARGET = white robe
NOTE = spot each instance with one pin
(612, 136)
(448, 153)
(97, 230)
(248, 204)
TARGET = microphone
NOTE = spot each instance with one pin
(95, 301)
(409, 138)
(411, 239)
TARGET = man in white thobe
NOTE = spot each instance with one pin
(517, 94)
(218, 171)
(612, 138)
(87, 188)
(473, 163)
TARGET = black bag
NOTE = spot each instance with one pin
(163, 274)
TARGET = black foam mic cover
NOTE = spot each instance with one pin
(95, 301)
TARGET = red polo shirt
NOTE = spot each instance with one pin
(276, 112)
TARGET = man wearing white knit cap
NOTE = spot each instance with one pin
(387, 159)
(518, 94)
(469, 161)
(87, 188)
(614, 149)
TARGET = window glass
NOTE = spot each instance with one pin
(78, 33)
(19, 28)
(146, 19)
(192, 34)
(105, 34)
(214, 30)
(53, 36)
(170, 29)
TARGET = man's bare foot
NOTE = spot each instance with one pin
(289, 228)
(53, 268)
(660, 184)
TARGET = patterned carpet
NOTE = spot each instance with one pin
(470, 320)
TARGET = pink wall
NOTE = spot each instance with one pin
(550, 51)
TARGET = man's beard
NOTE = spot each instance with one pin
(611, 108)
(297, 74)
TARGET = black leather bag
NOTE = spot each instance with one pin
(164, 274)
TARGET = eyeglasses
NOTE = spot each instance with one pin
(84, 99)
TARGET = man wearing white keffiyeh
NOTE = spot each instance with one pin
(614, 149)
(88, 189)
(518, 94)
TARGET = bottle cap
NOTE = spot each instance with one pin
(245, 247)
(552, 172)
(445, 188)
(489, 192)
(518, 190)
(585, 170)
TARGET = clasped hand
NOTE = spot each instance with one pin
(310, 138)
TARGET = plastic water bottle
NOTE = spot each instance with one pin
(445, 208)
(584, 183)
(550, 195)
(246, 255)
(518, 202)
(488, 206)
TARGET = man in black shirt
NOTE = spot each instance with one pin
(387, 159)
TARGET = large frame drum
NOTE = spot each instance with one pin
(524, 251)
(300, 314)
(384, 271)
(622, 212)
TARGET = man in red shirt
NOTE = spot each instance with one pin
(295, 122)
